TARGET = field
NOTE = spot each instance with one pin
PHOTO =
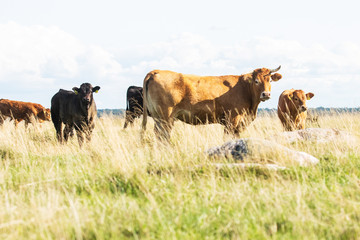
(120, 187)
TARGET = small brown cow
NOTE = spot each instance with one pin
(18, 111)
(292, 109)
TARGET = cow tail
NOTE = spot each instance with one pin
(145, 99)
(127, 104)
(128, 96)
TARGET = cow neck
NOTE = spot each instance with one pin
(85, 109)
(293, 109)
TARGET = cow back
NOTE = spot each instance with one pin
(19, 110)
(66, 106)
(134, 99)
(194, 97)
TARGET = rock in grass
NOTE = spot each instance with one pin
(262, 151)
(248, 165)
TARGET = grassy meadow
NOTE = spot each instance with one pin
(119, 187)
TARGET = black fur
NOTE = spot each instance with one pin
(134, 104)
(76, 110)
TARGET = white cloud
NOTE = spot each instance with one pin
(35, 61)
(310, 67)
(31, 49)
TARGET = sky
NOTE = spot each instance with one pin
(46, 45)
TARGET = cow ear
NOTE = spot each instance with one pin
(96, 89)
(76, 90)
(309, 95)
(276, 77)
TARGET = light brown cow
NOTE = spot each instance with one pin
(18, 111)
(230, 100)
(292, 109)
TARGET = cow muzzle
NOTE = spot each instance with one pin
(265, 96)
(86, 99)
(302, 108)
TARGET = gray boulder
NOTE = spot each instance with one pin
(253, 150)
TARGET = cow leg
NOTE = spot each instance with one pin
(295, 125)
(88, 132)
(79, 133)
(286, 122)
(292, 124)
(80, 137)
(302, 122)
(162, 128)
(71, 132)
(58, 128)
(228, 121)
(27, 121)
(300, 126)
(126, 122)
(289, 127)
(128, 119)
(88, 136)
(68, 131)
(230, 129)
(237, 125)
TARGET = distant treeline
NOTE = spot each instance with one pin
(116, 112)
(319, 111)
(262, 111)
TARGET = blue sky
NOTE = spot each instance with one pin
(46, 45)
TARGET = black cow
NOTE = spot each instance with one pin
(75, 109)
(134, 104)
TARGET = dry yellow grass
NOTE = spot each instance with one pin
(119, 187)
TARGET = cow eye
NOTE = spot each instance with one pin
(257, 81)
(296, 99)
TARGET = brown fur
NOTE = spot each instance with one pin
(231, 100)
(18, 111)
(292, 109)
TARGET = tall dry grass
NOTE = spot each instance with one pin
(118, 186)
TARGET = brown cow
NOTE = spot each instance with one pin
(292, 109)
(18, 111)
(230, 100)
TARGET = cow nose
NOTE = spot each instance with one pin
(265, 96)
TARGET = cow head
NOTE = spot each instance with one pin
(298, 98)
(260, 82)
(44, 115)
(85, 93)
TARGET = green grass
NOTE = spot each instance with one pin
(118, 187)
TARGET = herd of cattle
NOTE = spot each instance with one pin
(230, 100)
